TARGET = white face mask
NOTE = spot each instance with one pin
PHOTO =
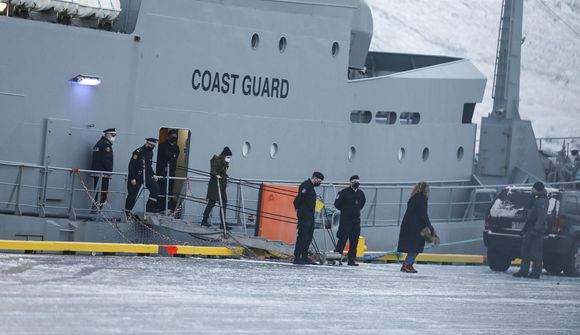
(112, 138)
(228, 159)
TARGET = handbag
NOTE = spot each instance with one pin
(430, 236)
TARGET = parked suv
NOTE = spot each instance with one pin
(506, 218)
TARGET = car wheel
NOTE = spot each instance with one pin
(497, 260)
(572, 265)
(553, 265)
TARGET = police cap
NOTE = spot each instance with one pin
(110, 130)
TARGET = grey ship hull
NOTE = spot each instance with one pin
(150, 82)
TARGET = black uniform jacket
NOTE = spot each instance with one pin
(415, 219)
(102, 155)
(167, 153)
(350, 203)
(218, 167)
(537, 212)
(136, 164)
(305, 202)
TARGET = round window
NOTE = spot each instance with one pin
(335, 49)
(282, 44)
(460, 153)
(255, 41)
(425, 154)
(351, 153)
(401, 155)
(246, 148)
(273, 150)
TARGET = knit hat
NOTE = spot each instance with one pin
(539, 186)
(354, 177)
(226, 152)
(318, 175)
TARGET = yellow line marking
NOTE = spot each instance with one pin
(208, 251)
(79, 247)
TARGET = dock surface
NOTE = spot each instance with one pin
(57, 294)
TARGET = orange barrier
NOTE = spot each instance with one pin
(276, 214)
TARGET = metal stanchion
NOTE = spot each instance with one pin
(223, 216)
(167, 189)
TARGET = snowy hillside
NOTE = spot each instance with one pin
(550, 84)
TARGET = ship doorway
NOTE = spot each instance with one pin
(177, 187)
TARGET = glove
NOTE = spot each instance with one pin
(133, 182)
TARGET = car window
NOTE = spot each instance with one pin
(571, 205)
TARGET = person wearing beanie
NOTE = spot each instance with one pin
(305, 203)
(350, 201)
(219, 166)
(533, 233)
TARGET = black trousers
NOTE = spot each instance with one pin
(162, 187)
(210, 205)
(303, 240)
(532, 250)
(351, 232)
(104, 189)
(133, 191)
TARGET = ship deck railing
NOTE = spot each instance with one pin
(47, 191)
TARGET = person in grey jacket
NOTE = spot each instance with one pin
(533, 233)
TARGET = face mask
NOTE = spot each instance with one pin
(355, 185)
(228, 159)
(112, 139)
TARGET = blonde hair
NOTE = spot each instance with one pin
(421, 187)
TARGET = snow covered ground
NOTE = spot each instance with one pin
(42, 294)
(550, 83)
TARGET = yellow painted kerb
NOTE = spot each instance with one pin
(79, 247)
(209, 251)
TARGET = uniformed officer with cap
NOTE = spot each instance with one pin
(142, 159)
(305, 203)
(167, 155)
(349, 201)
(219, 166)
(103, 161)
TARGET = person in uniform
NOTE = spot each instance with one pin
(305, 203)
(103, 161)
(167, 155)
(219, 166)
(349, 201)
(142, 159)
(533, 233)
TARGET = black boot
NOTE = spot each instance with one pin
(204, 223)
(351, 262)
(520, 274)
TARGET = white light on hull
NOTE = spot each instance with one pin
(86, 80)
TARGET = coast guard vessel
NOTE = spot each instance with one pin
(289, 85)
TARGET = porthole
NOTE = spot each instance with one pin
(410, 118)
(425, 154)
(460, 153)
(361, 116)
(335, 49)
(386, 117)
(255, 41)
(351, 153)
(282, 44)
(273, 150)
(401, 155)
(246, 148)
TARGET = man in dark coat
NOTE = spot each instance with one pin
(349, 201)
(167, 155)
(142, 159)
(415, 220)
(305, 203)
(103, 161)
(219, 166)
(533, 233)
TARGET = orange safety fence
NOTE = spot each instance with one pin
(276, 214)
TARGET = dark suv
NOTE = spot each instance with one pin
(506, 218)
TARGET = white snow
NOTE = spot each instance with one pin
(47, 295)
(550, 83)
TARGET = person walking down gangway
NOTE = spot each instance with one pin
(219, 166)
(416, 219)
(103, 161)
(167, 156)
(141, 171)
(533, 233)
(305, 203)
(350, 201)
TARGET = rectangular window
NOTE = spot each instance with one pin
(410, 118)
(361, 116)
(386, 117)
(468, 109)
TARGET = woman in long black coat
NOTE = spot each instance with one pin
(415, 220)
